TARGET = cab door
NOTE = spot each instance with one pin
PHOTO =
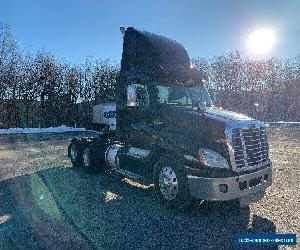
(138, 131)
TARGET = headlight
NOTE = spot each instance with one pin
(212, 159)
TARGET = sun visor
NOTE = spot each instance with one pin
(152, 58)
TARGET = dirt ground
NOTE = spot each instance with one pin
(47, 204)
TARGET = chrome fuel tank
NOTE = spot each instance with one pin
(111, 156)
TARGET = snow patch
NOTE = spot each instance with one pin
(284, 124)
(59, 129)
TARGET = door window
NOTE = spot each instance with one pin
(137, 96)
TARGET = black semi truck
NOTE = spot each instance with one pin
(170, 134)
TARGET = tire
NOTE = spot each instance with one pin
(87, 158)
(93, 157)
(75, 154)
(171, 183)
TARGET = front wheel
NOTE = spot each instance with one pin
(171, 183)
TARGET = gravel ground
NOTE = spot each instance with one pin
(46, 204)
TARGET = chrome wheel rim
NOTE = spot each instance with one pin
(168, 183)
(86, 158)
(73, 153)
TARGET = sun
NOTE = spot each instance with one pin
(261, 41)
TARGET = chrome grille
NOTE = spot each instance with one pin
(250, 147)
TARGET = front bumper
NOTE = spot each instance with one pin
(221, 189)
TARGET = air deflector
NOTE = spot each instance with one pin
(152, 58)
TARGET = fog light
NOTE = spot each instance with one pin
(223, 188)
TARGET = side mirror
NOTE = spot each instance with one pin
(201, 107)
(131, 96)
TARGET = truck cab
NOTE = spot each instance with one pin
(170, 134)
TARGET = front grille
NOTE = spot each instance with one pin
(250, 147)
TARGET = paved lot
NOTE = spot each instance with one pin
(46, 204)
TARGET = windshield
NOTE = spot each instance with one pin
(183, 95)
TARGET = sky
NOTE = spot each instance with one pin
(75, 29)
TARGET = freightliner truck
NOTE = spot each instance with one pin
(170, 134)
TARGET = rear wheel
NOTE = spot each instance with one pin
(93, 157)
(171, 184)
(87, 158)
(75, 155)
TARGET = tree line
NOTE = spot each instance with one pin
(39, 89)
(266, 88)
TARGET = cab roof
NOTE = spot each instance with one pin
(149, 58)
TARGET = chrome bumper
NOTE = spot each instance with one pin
(214, 189)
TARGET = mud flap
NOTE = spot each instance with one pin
(247, 200)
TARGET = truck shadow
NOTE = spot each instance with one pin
(67, 207)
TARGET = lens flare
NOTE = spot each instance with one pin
(261, 41)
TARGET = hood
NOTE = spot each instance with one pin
(225, 115)
(231, 119)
